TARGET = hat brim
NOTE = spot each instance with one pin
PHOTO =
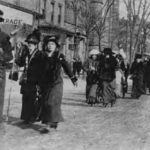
(2, 19)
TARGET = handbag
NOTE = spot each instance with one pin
(13, 75)
(23, 78)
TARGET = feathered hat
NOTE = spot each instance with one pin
(34, 37)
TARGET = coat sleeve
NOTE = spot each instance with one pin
(66, 66)
(20, 59)
(7, 48)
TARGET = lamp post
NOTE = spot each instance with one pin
(76, 43)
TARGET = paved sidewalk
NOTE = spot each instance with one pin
(126, 126)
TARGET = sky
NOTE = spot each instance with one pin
(122, 9)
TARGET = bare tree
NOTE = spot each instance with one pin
(87, 21)
(100, 26)
(138, 12)
(76, 6)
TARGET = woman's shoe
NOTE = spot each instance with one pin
(45, 129)
(54, 125)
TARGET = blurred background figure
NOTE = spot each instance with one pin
(5, 57)
(77, 66)
(91, 68)
(107, 75)
(137, 71)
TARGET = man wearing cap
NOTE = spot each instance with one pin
(5, 57)
(31, 59)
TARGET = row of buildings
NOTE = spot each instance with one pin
(54, 17)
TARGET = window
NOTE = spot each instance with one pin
(52, 12)
(59, 13)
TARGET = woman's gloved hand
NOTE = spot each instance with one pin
(74, 80)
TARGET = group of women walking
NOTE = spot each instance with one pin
(42, 79)
(42, 83)
(100, 79)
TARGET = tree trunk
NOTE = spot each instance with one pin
(99, 43)
(87, 48)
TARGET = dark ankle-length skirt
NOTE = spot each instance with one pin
(109, 94)
(52, 99)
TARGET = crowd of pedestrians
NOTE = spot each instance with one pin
(41, 82)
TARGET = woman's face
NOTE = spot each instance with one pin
(94, 57)
(31, 47)
(51, 46)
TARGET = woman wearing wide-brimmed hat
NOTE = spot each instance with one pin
(91, 67)
(31, 59)
(52, 83)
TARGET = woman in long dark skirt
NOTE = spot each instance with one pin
(137, 71)
(31, 59)
(52, 84)
(106, 70)
(91, 67)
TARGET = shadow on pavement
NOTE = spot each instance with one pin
(75, 104)
(19, 123)
(74, 100)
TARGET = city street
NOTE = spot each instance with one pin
(126, 126)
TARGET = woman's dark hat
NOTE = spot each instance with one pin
(107, 51)
(138, 56)
(52, 38)
(1, 14)
(34, 37)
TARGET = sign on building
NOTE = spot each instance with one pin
(16, 17)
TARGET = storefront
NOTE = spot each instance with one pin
(16, 18)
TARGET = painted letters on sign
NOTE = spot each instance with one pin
(15, 16)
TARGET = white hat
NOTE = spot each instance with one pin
(94, 52)
(122, 53)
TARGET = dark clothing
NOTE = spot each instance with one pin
(91, 67)
(147, 74)
(106, 70)
(125, 68)
(7, 49)
(107, 67)
(137, 71)
(108, 94)
(5, 57)
(52, 87)
(77, 66)
(33, 69)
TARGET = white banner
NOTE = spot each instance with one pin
(16, 17)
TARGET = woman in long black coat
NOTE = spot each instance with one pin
(52, 84)
(137, 71)
(106, 70)
(31, 59)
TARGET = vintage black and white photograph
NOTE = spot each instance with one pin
(74, 74)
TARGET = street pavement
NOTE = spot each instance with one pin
(126, 126)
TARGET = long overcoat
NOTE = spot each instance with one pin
(29, 88)
(52, 87)
(138, 70)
